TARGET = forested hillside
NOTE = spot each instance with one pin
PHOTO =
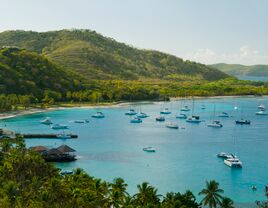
(242, 70)
(99, 57)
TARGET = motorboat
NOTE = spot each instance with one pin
(98, 115)
(215, 124)
(224, 114)
(63, 136)
(131, 112)
(203, 107)
(81, 121)
(172, 125)
(224, 155)
(46, 121)
(66, 172)
(59, 126)
(182, 116)
(233, 162)
(148, 149)
(136, 120)
(142, 115)
(160, 118)
(242, 121)
(262, 113)
(193, 119)
(185, 108)
(165, 111)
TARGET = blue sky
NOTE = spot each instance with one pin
(207, 31)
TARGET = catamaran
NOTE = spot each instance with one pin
(262, 113)
(165, 111)
(224, 115)
(131, 112)
(181, 115)
(233, 162)
(136, 120)
(172, 125)
(193, 118)
(46, 121)
(215, 124)
(98, 115)
(160, 118)
(142, 115)
(185, 108)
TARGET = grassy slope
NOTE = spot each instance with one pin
(239, 70)
(98, 57)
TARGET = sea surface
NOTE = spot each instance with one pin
(184, 159)
(254, 78)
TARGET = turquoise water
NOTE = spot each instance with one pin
(253, 78)
(185, 158)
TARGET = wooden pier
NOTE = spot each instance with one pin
(47, 136)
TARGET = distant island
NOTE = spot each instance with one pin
(242, 70)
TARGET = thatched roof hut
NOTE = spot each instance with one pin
(65, 149)
(39, 148)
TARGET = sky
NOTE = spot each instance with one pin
(206, 31)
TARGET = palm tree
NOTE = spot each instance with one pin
(147, 195)
(227, 203)
(212, 194)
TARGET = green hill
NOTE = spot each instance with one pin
(97, 57)
(24, 72)
(242, 70)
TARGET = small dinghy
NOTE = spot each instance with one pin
(172, 125)
(148, 149)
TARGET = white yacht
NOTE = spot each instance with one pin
(224, 114)
(148, 149)
(59, 126)
(193, 119)
(165, 111)
(172, 125)
(185, 108)
(215, 124)
(98, 115)
(142, 115)
(233, 162)
(136, 120)
(131, 112)
(262, 113)
(182, 116)
(46, 121)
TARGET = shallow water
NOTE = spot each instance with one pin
(185, 158)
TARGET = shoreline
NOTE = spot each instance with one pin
(13, 114)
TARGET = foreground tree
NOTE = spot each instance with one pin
(212, 194)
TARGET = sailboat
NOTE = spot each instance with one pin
(242, 121)
(98, 114)
(214, 123)
(181, 115)
(193, 118)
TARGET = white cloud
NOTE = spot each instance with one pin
(244, 55)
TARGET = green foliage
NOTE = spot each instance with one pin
(26, 180)
(98, 57)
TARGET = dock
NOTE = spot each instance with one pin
(46, 136)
